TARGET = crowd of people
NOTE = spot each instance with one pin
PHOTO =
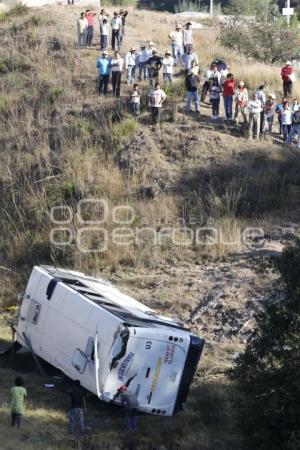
(77, 406)
(256, 111)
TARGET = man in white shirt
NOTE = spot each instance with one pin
(142, 58)
(188, 37)
(188, 57)
(130, 63)
(176, 37)
(254, 108)
(82, 25)
(116, 68)
(168, 63)
(116, 26)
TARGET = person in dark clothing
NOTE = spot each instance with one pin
(154, 65)
(123, 14)
(192, 84)
(130, 403)
(77, 407)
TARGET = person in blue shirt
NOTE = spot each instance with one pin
(103, 65)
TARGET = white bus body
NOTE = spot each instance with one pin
(92, 332)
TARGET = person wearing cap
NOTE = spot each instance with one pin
(188, 37)
(149, 50)
(228, 94)
(176, 37)
(188, 57)
(82, 25)
(123, 14)
(116, 25)
(269, 110)
(254, 108)
(116, 67)
(103, 65)
(168, 63)
(241, 100)
(142, 57)
(130, 64)
(130, 402)
(156, 98)
(154, 64)
(288, 77)
(192, 85)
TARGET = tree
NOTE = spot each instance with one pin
(267, 374)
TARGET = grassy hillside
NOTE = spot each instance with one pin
(60, 143)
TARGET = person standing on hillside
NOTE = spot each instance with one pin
(241, 101)
(130, 63)
(269, 109)
(215, 94)
(254, 108)
(288, 78)
(207, 75)
(188, 57)
(192, 85)
(103, 34)
(176, 37)
(168, 63)
(279, 110)
(123, 14)
(142, 58)
(116, 67)
(156, 98)
(295, 128)
(116, 25)
(228, 94)
(18, 400)
(154, 65)
(90, 16)
(103, 65)
(82, 25)
(131, 404)
(286, 120)
(135, 100)
(188, 37)
(262, 97)
(77, 407)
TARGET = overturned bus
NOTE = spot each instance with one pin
(92, 332)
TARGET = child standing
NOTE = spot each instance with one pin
(286, 120)
(19, 394)
(135, 100)
(103, 34)
(215, 94)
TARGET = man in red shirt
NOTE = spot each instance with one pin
(228, 93)
(287, 76)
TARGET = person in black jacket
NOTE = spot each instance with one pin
(154, 65)
(295, 129)
(77, 407)
(192, 85)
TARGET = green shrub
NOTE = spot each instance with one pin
(123, 130)
(15, 63)
(267, 374)
(55, 93)
(4, 104)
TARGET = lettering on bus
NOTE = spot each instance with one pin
(148, 345)
(156, 374)
(125, 366)
(169, 354)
